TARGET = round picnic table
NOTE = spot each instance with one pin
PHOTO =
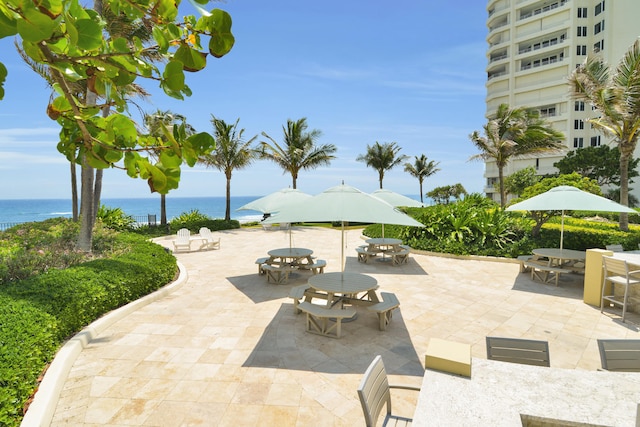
(344, 284)
(292, 256)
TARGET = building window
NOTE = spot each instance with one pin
(582, 12)
(578, 124)
(578, 106)
(581, 50)
(578, 142)
(595, 141)
(599, 8)
(597, 47)
(582, 31)
(598, 27)
(549, 111)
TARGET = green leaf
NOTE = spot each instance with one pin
(167, 9)
(3, 76)
(35, 26)
(218, 24)
(89, 34)
(191, 59)
(173, 76)
(120, 45)
(122, 129)
(170, 159)
(8, 24)
(159, 37)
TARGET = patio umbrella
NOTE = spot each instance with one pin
(343, 203)
(395, 199)
(567, 198)
(274, 202)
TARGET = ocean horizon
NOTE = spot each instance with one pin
(28, 210)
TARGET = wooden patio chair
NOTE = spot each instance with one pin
(374, 392)
(208, 241)
(620, 355)
(516, 350)
(182, 241)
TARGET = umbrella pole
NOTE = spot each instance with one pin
(342, 250)
(383, 230)
(562, 230)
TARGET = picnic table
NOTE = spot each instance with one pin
(292, 257)
(345, 287)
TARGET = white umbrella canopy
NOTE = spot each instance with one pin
(343, 203)
(567, 198)
(275, 201)
(396, 199)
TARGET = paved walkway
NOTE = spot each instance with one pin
(226, 349)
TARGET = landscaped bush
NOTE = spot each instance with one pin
(194, 220)
(37, 314)
(116, 219)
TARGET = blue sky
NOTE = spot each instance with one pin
(410, 72)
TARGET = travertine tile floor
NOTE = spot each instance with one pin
(226, 349)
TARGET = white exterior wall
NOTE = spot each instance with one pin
(530, 59)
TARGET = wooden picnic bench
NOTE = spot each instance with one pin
(545, 273)
(325, 321)
(385, 308)
(276, 273)
(364, 253)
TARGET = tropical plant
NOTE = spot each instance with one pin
(512, 133)
(231, 153)
(382, 157)
(160, 125)
(76, 45)
(421, 168)
(615, 96)
(299, 151)
(600, 163)
(546, 184)
(519, 180)
(115, 218)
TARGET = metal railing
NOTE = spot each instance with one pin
(140, 220)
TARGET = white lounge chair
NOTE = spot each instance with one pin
(208, 240)
(182, 241)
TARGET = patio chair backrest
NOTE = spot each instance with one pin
(516, 350)
(183, 233)
(620, 354)
(615, 267)
(374, 392)
(614, 248)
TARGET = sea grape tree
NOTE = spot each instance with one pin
(74, 44)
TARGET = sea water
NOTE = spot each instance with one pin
(15, 211)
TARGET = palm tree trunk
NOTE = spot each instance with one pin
(501, 184)
(421, 200)
(86, 208)
(163, 210)
(97, 191)
(380, 177)
(74, 192)
(624, 186)
(227, 211)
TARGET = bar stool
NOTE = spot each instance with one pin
(617, 272)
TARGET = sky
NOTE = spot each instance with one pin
(410, 72)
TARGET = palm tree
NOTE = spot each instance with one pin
(231, 153)
(382, 157)
(616, 98)
(514, 133)
(158, 124)
(421, 169)
(299, 151)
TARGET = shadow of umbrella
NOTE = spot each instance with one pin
(567, 198)
(343, 203)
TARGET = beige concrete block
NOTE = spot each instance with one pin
(448, 356)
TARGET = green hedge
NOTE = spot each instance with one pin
(39, 313)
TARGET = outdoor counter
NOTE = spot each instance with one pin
(499, 392)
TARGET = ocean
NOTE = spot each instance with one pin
(16, 211)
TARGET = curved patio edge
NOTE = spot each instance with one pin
(42, 408)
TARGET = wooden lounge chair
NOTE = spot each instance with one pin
(182, 241)
(620, 355)
(515, 350)
(374, 392)
(208, 241)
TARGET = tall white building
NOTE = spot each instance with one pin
(534, 45)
